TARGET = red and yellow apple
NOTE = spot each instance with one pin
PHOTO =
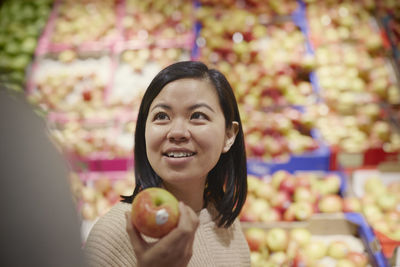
(155, 212)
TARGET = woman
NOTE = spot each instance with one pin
(188, 140)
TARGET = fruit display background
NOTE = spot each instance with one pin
(317, 83)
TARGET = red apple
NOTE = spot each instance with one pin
(288, 184)
(272, 215)
(278, 176)
(155, 212)
(330, 204)
(256, 238)
(277, 239)
(351, 204)
(281, 201)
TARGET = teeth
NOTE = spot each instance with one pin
(179, 154)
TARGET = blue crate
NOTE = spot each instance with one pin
(368, 237)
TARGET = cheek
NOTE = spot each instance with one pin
(154, 137)
(212, 139)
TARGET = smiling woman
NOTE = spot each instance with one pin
(189, 141)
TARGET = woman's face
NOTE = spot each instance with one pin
(185, 131)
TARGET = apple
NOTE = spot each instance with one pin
(272, 215)
(277, 239)
(303, 210)
(315, 249)
(279, 258)
(330, 204)
(332, 183)
(338, 250)
(351, 204)
(288, 184)
(281, 201)
(301, 236)
(256, 238)
(345, 263)
(103, 184)
(278, 176)
(155, 212)
(265, 190)
(387, 202)
(304, 194)
(359, 259)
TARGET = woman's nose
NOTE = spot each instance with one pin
(179, 131)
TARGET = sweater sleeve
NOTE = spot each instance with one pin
(108, 242)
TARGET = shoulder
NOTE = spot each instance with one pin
(108, 242)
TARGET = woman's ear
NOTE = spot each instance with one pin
(230, 136)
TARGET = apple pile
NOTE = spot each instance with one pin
(350, 77)
(291, 197)
(380, 206)
(276, 134)
(136, 69)
(266, 64)
(72, 86)
(269, 8)
(21, 25)
(94, 139)
(73, 17)
(344, 21)
(367, 127)
(297, 247)
(152, 21)
(96, 193)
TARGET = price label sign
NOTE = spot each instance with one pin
(350, 160)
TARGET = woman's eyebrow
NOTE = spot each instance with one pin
(193, 107)
(198, 105)
(164, 106)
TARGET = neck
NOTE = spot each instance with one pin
(191, 195)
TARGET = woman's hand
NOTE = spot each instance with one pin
(175, 249)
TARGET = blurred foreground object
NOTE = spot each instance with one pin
(39, 225)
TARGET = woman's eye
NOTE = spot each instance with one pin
(161, 116)
(198, 116)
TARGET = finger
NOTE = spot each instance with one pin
(137, 241)
(189, 219)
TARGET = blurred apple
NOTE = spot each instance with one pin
(277, 239)
(301, 236)
(288, 185)
(256, 238)
(304, 194)
(359, 259)
(282, 200)
(338, 250)
(332, 183)
(278, 177)
(330, 204)
(345, 263)
(387, 202)
(351, 204)
(315, 249)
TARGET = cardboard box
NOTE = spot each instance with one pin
(336, 224)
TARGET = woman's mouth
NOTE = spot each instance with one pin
(179, 154)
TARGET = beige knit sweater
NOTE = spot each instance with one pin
(108, 242)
